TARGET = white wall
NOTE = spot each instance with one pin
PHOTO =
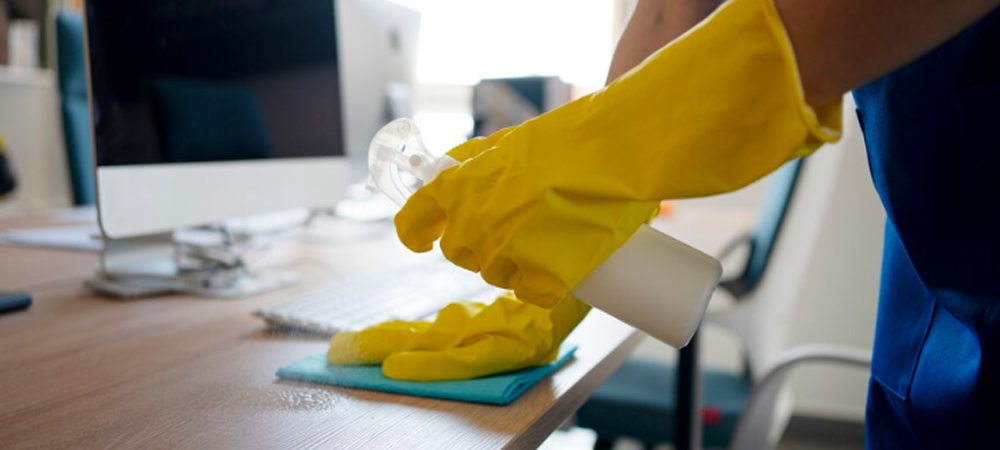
(838, 302)
(31, 125)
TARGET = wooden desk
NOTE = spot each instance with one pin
(82, 371)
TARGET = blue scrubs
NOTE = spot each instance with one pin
(932, 129)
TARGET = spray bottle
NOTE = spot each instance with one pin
(653, 282)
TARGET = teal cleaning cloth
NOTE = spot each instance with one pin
(495, 390)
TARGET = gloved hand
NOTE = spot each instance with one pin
(473, 147)
(467, 340)
(709, 113)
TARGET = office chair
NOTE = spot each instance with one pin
(759, 427)
(72, 74)
(637, 401)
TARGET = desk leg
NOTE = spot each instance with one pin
(687, 422)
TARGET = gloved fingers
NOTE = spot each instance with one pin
(511, 317)
(374, 344)
(502, 272)
(347, 348)
(488, 355)
(539, 287)
(464, 240)
(420, 222)
(454, 318)
(473, 147)
(459, 254)
(566, 315)
(538, 327)
(468, 149)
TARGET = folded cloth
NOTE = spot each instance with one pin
(495, 390)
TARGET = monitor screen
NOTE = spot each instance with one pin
(182, 81)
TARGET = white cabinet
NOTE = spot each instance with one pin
(31, 125)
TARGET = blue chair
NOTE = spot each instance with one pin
(638, 401)
(72, 73)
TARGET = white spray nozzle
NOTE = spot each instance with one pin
(399, 163)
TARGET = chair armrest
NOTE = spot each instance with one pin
(754, 430)
(733, 284)
(733, 244)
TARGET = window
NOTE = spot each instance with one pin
(462, 42)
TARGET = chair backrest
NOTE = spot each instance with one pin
(77, 130)
(764, 235)
(772, 216)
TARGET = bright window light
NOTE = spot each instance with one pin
(462, 42)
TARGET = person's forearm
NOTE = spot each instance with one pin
(843, 44)
(654, 24)
(839, 44)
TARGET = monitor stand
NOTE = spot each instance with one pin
(159, 264)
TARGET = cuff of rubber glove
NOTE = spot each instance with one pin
(825, 123)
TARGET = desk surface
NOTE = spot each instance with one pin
(180, 372)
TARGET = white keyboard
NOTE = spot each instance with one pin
(407, 293)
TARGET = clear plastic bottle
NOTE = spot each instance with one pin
(653, 282)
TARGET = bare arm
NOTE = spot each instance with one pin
(653, 24)
(843, 44)
(839, 44)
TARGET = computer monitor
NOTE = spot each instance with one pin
(205, 111)
(378, 55)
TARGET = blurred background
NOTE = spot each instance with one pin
(484, 64)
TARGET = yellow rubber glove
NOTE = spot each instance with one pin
(467, 340)
(473, 147)
(712, 111)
